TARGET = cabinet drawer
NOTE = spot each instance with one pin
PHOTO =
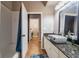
(52, 51)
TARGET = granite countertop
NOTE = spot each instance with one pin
(68, 49)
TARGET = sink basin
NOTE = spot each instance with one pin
(73, 37)
(58, 38)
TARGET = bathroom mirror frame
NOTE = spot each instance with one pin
(77, 11)
(61, 13)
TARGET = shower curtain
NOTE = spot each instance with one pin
(19, 42)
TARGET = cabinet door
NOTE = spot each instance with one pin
(61, 55)
(50, 49)
(46, 44)
(53, 51)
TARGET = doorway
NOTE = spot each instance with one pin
(34, 26)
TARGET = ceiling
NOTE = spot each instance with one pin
(44, 2)
(50, 3)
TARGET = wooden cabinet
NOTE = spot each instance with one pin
(52, 51)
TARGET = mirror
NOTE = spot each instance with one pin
(68, 18)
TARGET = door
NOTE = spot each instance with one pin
(34, 26)
(24, 31)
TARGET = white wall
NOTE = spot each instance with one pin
(48, 23)
(24, 31)
(56, 22)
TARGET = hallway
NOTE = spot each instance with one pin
(35, 47)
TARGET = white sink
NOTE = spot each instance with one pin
(58, 38)
(73, 37)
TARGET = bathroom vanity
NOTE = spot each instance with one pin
(65, 45)
(52, 51)
(60, 50)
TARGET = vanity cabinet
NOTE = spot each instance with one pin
(61, 55)
(52, 51)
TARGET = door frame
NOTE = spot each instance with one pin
(41, 34)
